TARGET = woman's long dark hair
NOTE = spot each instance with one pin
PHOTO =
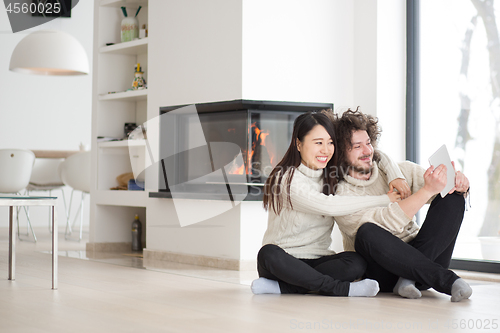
(273, 194)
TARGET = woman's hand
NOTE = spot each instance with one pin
(394, 196)
(402, 186)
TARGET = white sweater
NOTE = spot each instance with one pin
(305, 231)
(392, 217)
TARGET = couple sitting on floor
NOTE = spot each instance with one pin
(332, 172)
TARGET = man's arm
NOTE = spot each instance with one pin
(435, 181)
(392, 217)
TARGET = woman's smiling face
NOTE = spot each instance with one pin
(316, 148)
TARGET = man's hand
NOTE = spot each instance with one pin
(435, 179)
(402, 186)
(461, 182)
(394, 196)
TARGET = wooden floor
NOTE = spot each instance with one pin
(114, 293)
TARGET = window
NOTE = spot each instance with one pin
(457, 57)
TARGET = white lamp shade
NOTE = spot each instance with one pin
(49, 52)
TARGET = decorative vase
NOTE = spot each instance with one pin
(138, 83)
(130, 29)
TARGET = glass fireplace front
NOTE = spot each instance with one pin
(225, 146)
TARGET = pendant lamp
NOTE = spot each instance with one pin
(49, 52)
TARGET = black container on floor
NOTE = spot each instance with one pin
(136, 234)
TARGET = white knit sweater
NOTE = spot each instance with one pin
(392, 218)
(305, 231)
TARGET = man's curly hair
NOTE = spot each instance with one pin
(345, 125)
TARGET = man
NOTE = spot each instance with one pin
(401, 256)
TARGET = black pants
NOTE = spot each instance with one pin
(425, 259)
(328, 275)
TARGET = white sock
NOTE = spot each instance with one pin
(460, 290)
(265, 286)
(406, 288)
(363, 288)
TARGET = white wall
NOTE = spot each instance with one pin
(350, 53)
(380, 68)
(364, 73)
(391, 76)
(215, 237)
(298, 50)
(44, 112)
(195, 48)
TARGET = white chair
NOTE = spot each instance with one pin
(45, 177)
(15, 173)
(75, 173)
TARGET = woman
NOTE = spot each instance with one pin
(299, 195)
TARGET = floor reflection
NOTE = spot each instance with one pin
(135, 260)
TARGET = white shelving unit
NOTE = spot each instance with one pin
(119, 3)
(136, 47)
(122, 143)
(134, 95)
(114, 105)
(122, 198)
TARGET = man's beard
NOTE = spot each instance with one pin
(361, 170)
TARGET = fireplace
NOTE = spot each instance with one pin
(232, 146)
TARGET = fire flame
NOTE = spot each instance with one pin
(258, 142)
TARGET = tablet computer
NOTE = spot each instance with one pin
(441, 156)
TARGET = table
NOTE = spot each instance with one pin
(18, 201)
(54, 153)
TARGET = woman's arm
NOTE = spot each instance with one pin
(394, 175)
(310, 200)
(391, 218)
